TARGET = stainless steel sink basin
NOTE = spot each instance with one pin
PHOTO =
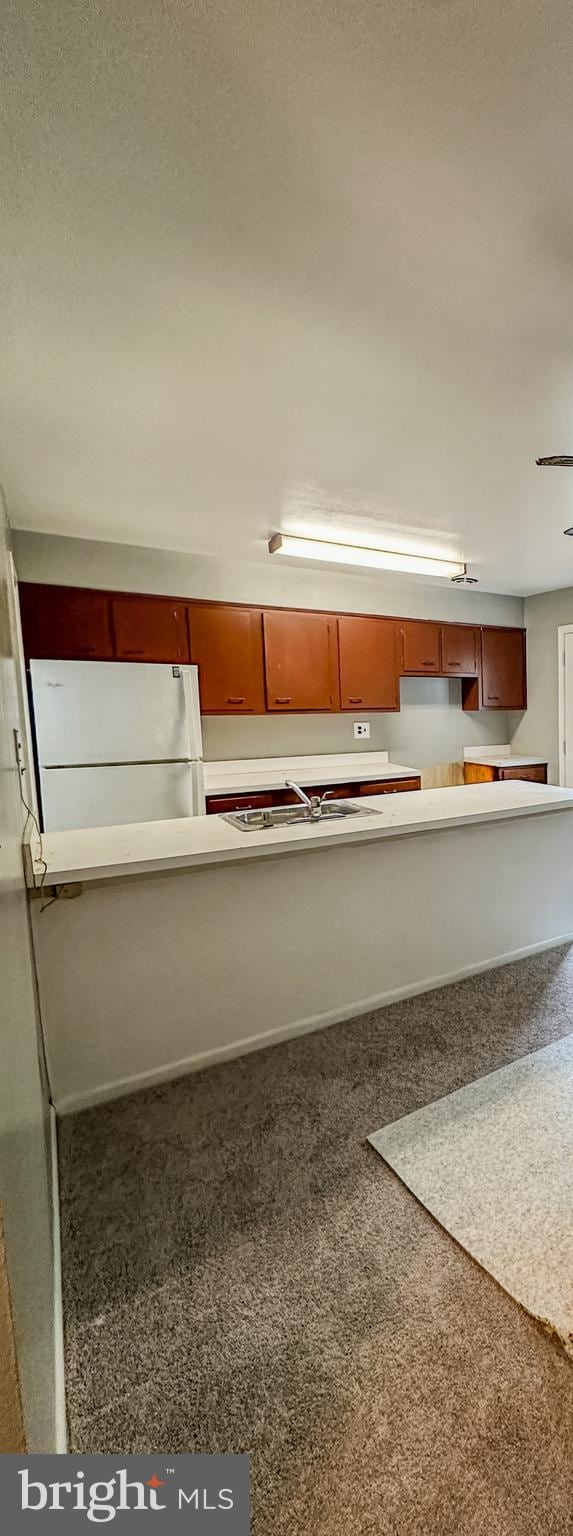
(294, 815)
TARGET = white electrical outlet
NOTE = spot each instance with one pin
(361, 728)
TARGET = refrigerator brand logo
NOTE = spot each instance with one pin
(210, 1493)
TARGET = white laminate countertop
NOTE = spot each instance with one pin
(502, 757)
(507, 761)
(104, 853)
(247, 774)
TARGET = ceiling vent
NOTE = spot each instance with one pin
(560, 460)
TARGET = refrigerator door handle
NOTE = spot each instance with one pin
(197, 788)
(192, 712)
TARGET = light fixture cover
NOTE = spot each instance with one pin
(359, 554)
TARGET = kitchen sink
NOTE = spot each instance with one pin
(295, 815)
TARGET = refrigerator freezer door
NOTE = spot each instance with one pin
(105, 797)
(89, 712)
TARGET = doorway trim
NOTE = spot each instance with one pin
(562, 631)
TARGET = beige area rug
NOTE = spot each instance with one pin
(494, 1164)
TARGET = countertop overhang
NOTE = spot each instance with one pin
(144, 848)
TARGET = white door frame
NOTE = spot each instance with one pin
(563, 630)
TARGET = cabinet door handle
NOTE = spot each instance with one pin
(355, 701)
(236, 701)
(427, 663)
(454, 663)
(494, 696)
(286, 700)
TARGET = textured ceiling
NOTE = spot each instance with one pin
(296, 264)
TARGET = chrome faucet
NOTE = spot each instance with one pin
(290, 784)
(312, 802)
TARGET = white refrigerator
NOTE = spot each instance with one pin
(116, 742)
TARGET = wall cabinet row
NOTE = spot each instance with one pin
(254, 660)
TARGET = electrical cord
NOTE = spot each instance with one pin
(31, 817)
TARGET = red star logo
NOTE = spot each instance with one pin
(155, 1482)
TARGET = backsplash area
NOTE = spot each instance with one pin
(430, 731)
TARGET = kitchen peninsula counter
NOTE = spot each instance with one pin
(148, 847)
(190, 942)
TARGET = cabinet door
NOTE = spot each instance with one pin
(479, 773)
(459, 650)
(227, 645)
(150, 629)
(368, 663)
(301, 661)
(503, 669)
(65, 623)
(421, 646)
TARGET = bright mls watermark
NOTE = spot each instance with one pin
(205, 1495)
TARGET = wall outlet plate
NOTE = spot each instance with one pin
(361, 728)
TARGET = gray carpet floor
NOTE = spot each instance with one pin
(243, 1272)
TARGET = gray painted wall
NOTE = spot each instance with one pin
(538, 730)
(431, 727)
(25, 1178)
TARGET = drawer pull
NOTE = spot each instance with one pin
(236, 701)
(355, 701)
(427, 663)
(286, 700)
(455, 663)
(494, 696)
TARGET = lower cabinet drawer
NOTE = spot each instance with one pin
(536, 773)
(220, 805)
(388, 787)
(334, 791)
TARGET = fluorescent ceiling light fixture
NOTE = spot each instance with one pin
(358, 554)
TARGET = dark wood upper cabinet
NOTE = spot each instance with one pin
(65, 623)
(301, 661)
(421, 652)
(276, 659)
(368, 656)
(503, 669)
(227, 646)
(460, 650)
(149, 629)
